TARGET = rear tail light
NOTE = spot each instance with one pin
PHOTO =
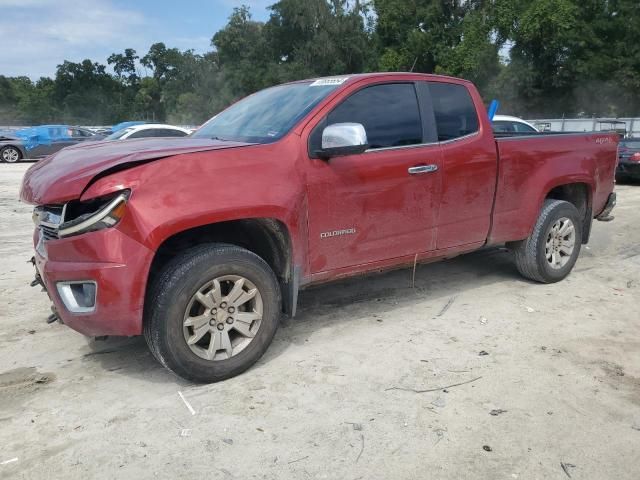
(635, 157)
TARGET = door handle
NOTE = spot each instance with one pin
(422, 169)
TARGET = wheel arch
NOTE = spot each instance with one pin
(269, 238)
(580, 195)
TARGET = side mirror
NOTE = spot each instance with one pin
(343, 139)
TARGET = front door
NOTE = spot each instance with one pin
(383, 203)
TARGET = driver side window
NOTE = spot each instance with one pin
(388, 112)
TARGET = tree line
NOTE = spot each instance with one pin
(540, 58)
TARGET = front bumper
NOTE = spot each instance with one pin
(117, 264)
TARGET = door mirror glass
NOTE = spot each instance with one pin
(343, 139)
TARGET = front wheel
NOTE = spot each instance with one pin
(550, 252)
(212, 312)
(10, 154)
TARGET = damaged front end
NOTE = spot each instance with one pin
(54, 222)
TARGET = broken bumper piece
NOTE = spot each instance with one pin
(605, 215)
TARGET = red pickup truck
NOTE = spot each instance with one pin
(202, 243)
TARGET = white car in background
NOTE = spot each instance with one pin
(507, 124)
(147, 130)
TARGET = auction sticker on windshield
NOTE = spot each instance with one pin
(323, 82)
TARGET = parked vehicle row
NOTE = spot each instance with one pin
(628, 159)
(511, 125)
(147, 130)
(38, 142)
(202, 243)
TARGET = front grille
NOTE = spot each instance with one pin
(49, 233)
(48, 218)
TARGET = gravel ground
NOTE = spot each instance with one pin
(543, 380)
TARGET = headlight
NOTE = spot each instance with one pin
(95, 214)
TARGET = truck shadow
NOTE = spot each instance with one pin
(432, 281)
(326, 305)
(127, 356)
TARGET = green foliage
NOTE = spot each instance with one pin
(577, 58)
(539, 57)
(318, 37)
(243, 53)
(124, 66)
(25, 102)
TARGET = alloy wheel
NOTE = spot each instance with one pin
(10, 155)
(223, 317)
(561, 240)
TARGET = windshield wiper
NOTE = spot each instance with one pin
(220, 138)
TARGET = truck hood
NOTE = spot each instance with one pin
(66, 174)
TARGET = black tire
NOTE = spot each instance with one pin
(169, 297)
(16, 153)
(530, 256)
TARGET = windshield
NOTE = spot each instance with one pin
(268, 115)
(118, 134)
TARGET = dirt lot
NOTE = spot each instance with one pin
(557, 393)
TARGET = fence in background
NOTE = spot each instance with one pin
(629, 127)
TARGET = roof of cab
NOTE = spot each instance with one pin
(351, 77)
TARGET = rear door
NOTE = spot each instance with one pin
(469, 166)
(369, 207)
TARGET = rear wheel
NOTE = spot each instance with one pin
(10, 154)
(212, 312)
(550, 252)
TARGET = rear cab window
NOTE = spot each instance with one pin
(454, 111)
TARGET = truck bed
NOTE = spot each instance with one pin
(531, 165)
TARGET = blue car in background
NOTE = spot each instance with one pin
(38, 142)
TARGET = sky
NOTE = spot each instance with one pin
(37, 35)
